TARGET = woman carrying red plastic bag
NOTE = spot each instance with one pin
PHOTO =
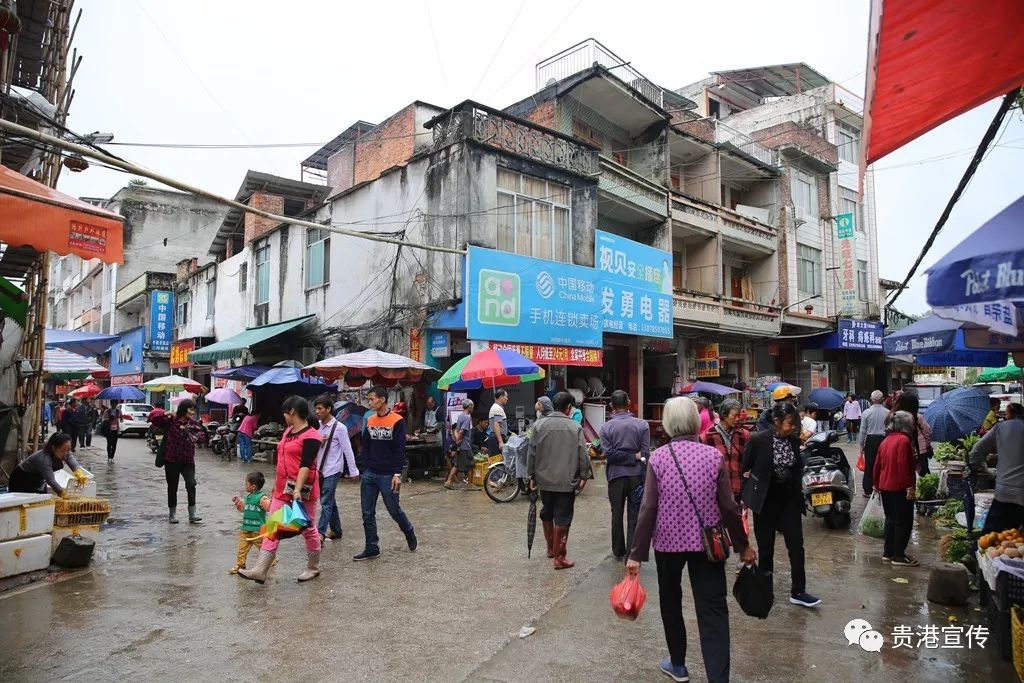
(690, 514)
(296, 480)
(628, 597)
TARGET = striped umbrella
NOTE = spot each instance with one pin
(61, 364)
(489, 369)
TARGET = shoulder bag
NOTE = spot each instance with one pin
(714, 538)
(323, 456)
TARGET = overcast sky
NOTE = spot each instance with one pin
(301, 72)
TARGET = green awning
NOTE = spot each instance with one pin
(232, 347)
(1010, 373)
(13, 302)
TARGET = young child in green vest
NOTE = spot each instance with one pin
(254, 513)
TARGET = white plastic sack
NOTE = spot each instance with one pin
(872, 521)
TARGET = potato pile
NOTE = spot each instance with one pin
(1009, 543)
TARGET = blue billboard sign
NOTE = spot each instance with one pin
(126, 353)
(631, 263)
(862, 335)
(161, 321)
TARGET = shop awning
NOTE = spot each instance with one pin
(932, 60)
(37, 216)
(451, 320)
(83, 343)
(61, 364)
(232, 347)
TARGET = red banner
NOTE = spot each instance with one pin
(123, 380)
(179, 354)
(542, 354)
(416, 344)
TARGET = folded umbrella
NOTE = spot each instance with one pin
(957, 413)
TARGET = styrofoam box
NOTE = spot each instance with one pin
(76, 490)
(84, 530)
(24, 555)
(25, 514)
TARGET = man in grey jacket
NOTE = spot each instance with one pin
(1006, 439)
(559, 466)
(626, 443)
(872, 431)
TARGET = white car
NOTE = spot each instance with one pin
(134, 418)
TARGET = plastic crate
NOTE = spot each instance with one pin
(80, 511)
(1009, 591)
(1017, 640)
(999, 629)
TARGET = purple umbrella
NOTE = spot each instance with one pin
(224, 396)
(708, 388)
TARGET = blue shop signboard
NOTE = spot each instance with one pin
(126, 354)
(636, 286)
(161, 318)
(440, 344)
(860, 335)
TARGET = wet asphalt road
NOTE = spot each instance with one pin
(159, 600)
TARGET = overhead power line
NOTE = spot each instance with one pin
(185, 187)
(986, 140)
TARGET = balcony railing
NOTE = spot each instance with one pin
(621, 182)
(490, 127)
(760, 319)
(694, 307)
(144, 283)
(730, 315)
(744, 142)
(715, 219)
(847, 98)
(590, 52)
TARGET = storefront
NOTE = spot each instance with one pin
(848, 360)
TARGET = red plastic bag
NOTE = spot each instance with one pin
(860, 462)
(628, 597)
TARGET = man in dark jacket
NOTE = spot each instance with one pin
(559, 466)
(626, 443)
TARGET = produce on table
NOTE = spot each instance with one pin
(946, 515)
(945, 452)
(953, 546)
(1009, 543)
(927, 486)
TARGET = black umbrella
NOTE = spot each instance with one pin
(531, 522)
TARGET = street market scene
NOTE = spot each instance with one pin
(630, 368)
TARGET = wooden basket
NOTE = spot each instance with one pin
(1017, 639)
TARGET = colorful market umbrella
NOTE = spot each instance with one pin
(700, 387)
(121, 393)
(1009, 373)
(173, 384)
(288, 378)
(224, 396)
(826, 398)
(957, 413)
(377, 367)
(489, 369)
(85, 391)
(61, 364)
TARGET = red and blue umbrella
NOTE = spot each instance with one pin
(489, 369)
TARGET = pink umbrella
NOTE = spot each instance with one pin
(224, 396)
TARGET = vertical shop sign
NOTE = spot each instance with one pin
(161, 317)
(846, 243)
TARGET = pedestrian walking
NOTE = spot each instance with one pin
(773, 492)
(383, 461)
(35, 473)
(1006, 439)
(254, 508)
(112, 431)
(784, 395)
(70, 423)
(687, 488)
(922, 438)
(872, 431)
(894, 478)
(626, 443)
(90, 418)
(992, 417)
(246, 430)
(295, 480)
(45, 416)
(498, 423)
(335, 451)
(730, 438)
(852, 414)
(462, 467)
(179, 456)
(558, 465)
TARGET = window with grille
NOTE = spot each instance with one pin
(263, 273)
(211, 298)
(243, 277)
(803, 196)
(533, 216)
(318, 258)
(848, 142)
(808, 262)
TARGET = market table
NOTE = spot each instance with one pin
(423, 455)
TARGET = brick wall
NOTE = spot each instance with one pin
(794, 134)
(257, 226)
(543, 114)
(390, 144)
(703, 129)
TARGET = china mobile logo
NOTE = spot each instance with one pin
(499, 300)
(930, 636)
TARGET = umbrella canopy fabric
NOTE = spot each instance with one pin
(224, 396)
(173, 384)
(957, 413)
(826, 398)
(242, 373)
(179, 397)
(371, 364)
(285, 379)
(700, 387)
(84, 343)
(489, 369)
(931, 338)
(1008, 373)
(121, 393)
(61, 364)
(351, 415)
(85, 391)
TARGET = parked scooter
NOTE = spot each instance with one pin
(223, 441)
(828, 479)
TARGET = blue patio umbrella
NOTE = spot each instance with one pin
(957, 413)
(121, 393)
(937, 341)
(241, 373)
(287, 378)
(826, 398)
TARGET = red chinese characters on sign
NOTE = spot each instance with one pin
(416, 344)
(179, 354)
(542, 354)
(87, 237)
(123, 380)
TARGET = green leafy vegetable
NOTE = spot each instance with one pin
(927, 485)
(946, 515)
(873, 527)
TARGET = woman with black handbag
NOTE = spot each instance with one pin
(772, 490)
(689, 512)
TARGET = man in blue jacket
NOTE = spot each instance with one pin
(626, 443)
